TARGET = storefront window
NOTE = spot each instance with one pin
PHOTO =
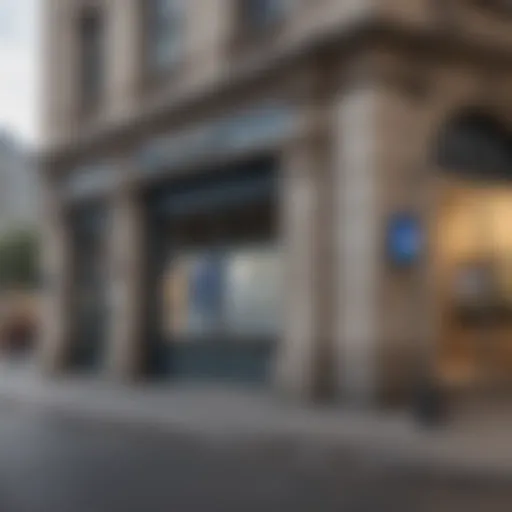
(231, 294)
(193, 292)
(252, 292)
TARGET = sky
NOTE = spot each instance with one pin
(19, 62)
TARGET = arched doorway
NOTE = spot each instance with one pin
(473, 253)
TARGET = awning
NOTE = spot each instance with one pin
(218, 195)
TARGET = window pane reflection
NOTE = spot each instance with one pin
(193, 295)
(233, 294)
(252, 292)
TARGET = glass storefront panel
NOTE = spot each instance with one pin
(252, 300)
(192, 295)
(233, 294)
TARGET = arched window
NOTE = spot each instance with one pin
(475, 144)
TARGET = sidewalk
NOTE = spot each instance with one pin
(231, 416)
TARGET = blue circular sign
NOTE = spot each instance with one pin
(404, 239)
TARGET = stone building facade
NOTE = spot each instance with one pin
(347, 102)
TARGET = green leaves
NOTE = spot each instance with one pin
(19, 258)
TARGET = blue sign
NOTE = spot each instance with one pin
(404, 239)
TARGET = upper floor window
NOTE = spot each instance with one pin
(164, 42)
(261, 14)
(92, 55)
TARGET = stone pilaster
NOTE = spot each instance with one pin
(124, 54)
(406, 184)
(380, 171)
(60, 76)
(302, 369)
(356, 234)
(126, 246)
(56, 263)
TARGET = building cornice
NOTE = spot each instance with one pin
(426, 41)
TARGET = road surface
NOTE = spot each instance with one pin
(51, 463)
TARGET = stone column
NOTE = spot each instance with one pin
(305, 349)
(56, 263)
(124, 54)
(380, 168)
(126, 284)
(60, 73)
(406, 186)
(356, 234)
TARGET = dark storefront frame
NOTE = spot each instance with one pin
(222, 193)
(89, 227)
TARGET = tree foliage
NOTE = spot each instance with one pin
(19, 258)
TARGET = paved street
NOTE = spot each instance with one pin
(51, 463)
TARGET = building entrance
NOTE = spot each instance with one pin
(474, 285)
(473, 252)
